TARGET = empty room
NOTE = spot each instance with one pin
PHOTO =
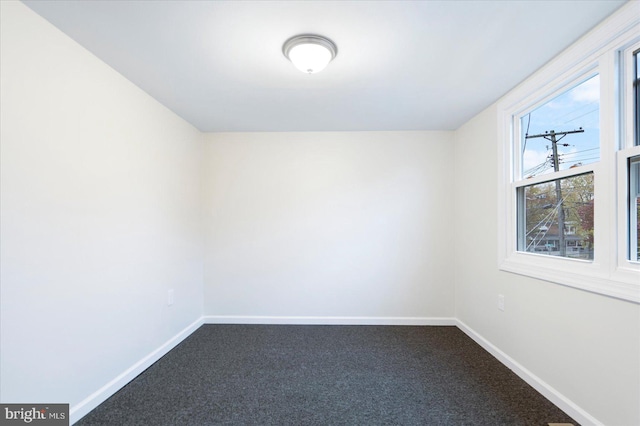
(320, 212)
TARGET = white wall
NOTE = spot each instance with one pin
(585, 346)
(100, 217)
(349, 224)
(100, 198)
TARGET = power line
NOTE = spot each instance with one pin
(583, 150)
(526, 134)
(553, 137)
(582, 115)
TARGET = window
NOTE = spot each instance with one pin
(634, 209)
(629, 155)
(562, 134)
(570, 165)
(636, 97)
(556, 215)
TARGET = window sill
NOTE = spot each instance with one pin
(624, 283)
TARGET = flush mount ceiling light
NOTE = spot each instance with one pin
(309, 53)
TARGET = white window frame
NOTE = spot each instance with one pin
(627, 151)
(606, 51)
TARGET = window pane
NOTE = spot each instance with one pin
(636, 89)
(564, 132)
(634, 209)
(548, 207)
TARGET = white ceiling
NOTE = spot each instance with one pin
(401, 65)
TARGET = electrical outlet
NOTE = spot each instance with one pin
(170, 297)
(501, 302)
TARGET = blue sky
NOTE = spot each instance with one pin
(575, 108)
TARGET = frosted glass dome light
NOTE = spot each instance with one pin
(309, 53)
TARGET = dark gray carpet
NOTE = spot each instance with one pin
(326, 375)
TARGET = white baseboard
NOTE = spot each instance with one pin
(322, 320)
(92, 401)
(78, 411)
(562, 402)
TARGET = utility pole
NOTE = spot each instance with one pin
(552, 136)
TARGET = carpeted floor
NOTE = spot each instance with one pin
(327, 375)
